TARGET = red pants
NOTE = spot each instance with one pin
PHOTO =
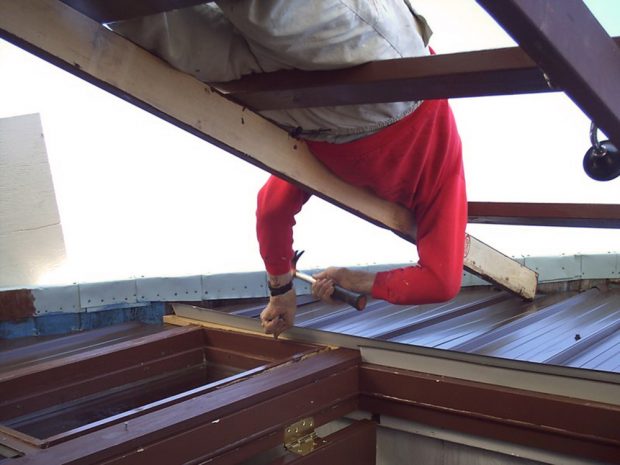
(417, 163)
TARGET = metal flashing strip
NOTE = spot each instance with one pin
(565, 381)
(82, 297)
(234, 285)
(102, 294)
(56, 299)
(165, 289)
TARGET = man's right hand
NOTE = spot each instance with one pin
(353, 280)
(279, 315)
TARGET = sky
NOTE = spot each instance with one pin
(140, 197)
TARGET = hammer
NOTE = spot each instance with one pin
(357, 301)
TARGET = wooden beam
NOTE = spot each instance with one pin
(573, 49)
(59, 34)
(569, 426)
(504, 71)
(468, 74)
(581, 215)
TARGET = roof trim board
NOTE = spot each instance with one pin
(59, 34)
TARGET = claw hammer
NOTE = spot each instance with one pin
(357, 301)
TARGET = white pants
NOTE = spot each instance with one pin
(236, 37)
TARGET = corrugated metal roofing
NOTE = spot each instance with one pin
(566, 328)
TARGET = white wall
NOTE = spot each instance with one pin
(31, 241)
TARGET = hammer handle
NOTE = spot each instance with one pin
(357, 301)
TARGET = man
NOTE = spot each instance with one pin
(405, 152)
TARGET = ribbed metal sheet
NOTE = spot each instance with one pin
(566, 328)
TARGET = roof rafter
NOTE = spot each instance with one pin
(552, 32)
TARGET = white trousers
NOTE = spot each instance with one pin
(224, 41)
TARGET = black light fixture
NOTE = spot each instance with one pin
(602, 160)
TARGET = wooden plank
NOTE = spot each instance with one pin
(570, 426)
(501, 270)
(585, 65)
(546, 214)
(467, 74)
(79, 45)
(503, 71)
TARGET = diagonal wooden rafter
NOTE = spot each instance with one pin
(573, 49)
(64, 37)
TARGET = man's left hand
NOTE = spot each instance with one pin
(279, 315)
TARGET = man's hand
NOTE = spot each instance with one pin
(357, 281)
(279, 315)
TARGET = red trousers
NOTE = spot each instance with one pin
(417, 163)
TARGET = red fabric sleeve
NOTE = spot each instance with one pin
(441, 245)
(278, 203)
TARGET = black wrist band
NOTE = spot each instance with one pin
(280, 290)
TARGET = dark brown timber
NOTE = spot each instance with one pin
(468, 74)
(546, 214)
(229, 416)
(561, 424)
(585, 65)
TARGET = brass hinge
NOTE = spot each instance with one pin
(300, 437)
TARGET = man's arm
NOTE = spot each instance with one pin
(278, 203)
(436, 277)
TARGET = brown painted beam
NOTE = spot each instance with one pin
(105, 11)
(584, 64)
(504, 71)
(229, 416)
(561, 424)
(468, 74)
(546, 214)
